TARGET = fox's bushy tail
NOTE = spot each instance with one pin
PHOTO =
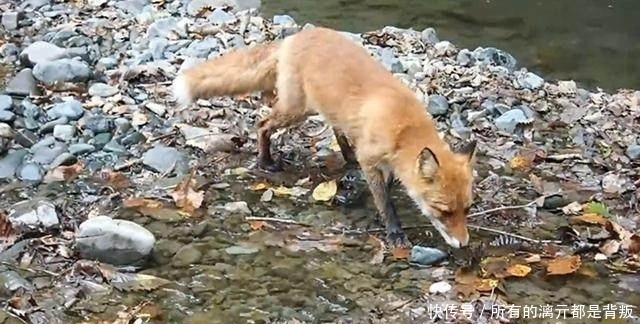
(236, 72)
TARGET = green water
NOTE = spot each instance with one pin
(595, 42)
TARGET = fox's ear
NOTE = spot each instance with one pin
(467, 148)
(427, 163)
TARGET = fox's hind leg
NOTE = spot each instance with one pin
(345, 148)
(288, 110)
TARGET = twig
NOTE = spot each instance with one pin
(489, 211)
(127, 164)
(157, 138)
(524, 238)
(278, 220)
(34, 271)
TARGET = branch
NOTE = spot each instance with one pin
(277, 220)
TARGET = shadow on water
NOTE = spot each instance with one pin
(591, 41)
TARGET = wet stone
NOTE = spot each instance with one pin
(6, 102)
(99, 124)
(81, 148)
(438, 105)
(7, 116)
(508, 121)
(633, 152)
(64, 132)
(115, 241)
(10, 162)
(162, 159)
(23, 84)
(30, 172)
(186, 256)
(71, 109)
(30, 215)
(426, 255)
(102, 90)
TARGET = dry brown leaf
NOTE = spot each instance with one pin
(518, 270)
(140, 202)
(484, 285)
(610, 247)
(186, 197)
(533, 258)
(564, 265)
(257, 225)
(64, 173)
(137, 282)
(588, 218)
(8, 234)
(628, 241)
(572, 208)
(378, 256)
(400, 253)
(117, 180)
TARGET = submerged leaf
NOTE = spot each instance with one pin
(564, 265)
(137, 282)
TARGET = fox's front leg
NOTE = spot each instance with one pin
(379, 186)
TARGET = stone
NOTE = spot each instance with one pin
(186, 256)
(439, 287)
(7, 116)
(633, 152)
(530, 81)
(114, 241)
(71, 109)
(34, 215)
(64, 132)
(11, 20)
(237, 250)
(390, 61)
(219, 16)
(157, 46)
(122, 125)
(26, 138)
(429, 36)
(444, 48)
(99, 124)
(45, 154)
(6, 131)
(81, 148)
(237, 207)
(65, 158)
(162, 159)
(48, 126)
(41, 52)
(22, 84)
(102, 90)
(31, 172)
(508, 121)
(6, 102)
(426, 255)
(464, 57)
(62, 70)
(438, 105)
(491, 55)
(115, 147)
(11, 162)
(195, 7)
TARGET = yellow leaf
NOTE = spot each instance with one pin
(325, 191)
(186, 197)
(518, 270)
(564, 265)
(259, 186)
(400, 252)
(257, 225)
(484, 285)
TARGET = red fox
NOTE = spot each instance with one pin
(319, 70)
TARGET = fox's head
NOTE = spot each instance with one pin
(441, 186)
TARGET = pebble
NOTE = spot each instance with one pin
(99, 124)
(31, 172)
(64, 132)
(219, 16)
(115, 147)
(439, 287)
(100, 140)
(237, 250)
(65, 158)
(237, 206)
(186, 256)
(491, 55)
(122, 125)
(530, 81)
(26, 138)
(34, 215)
(633, 152)
(81, 148)
(22, 84)
(114, 241)
(10, 162)
(6, 131)
(464, 57)
(162, 159)
(41, 52)
(62, 70)
(444, 48)
(46, 154)
(71, 109)
(102, 90)
(426, 255)
(11, 20)
(7, 116)
(429, 36)
(509, 120)
(49, 126)
(438, 105)
(6, 102)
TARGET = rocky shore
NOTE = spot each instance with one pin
(87, 124)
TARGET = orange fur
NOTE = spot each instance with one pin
(318, 70)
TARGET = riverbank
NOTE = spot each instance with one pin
(99, 135)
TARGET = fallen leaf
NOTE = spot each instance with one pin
(564, 265)
(117, 180)
(8, 234)
(139, 118)
(533, 258)
(294, 191)
(136, 282)
(140, 202)
(257, 225)
(324, 245)
(185, 196)
(378, 256)
(210, 141)
(572, 208)
(518, 270)
(325, 191)
(628, 241)
(610, 247)
(258, 186)
(64, 173)
(522, 161)
(588, 218)
(400, 253)
(484, 285)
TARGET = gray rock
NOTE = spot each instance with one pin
(72, 109)
(23, 84)
(491, 55)
(429, 36)
(162, 159)
(186, 256)
(237, 207)
(412, 65)
(34, 4)
(444, 48)
(219, 16)
(46, 154)
(115, 147)
(6, 131)
(284, 20)
(48, 127)
(30, 172)
(132, 138)
(102, 90)
(464, 57)
(62, 70)
(633, 152)
(163, 27)
(64, 133)
(9, 51)
(63, 159)
(6, 102)
(237, 250)
(426, 255)
(114, 241)
(26, 138)
(194, 7)
(157, 46)
(41, 52)
(100, 140)
(7, 116)
(10, 163)
(390, 61)
(509, 120)
(530, 81)
(122, 125)
(438, 105)
(99, 124)
(81, 148)
(108, 62)
(11, 20)
(34, 215)
(203, 48)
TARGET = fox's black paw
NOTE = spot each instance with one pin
(398, 239)
(270, 166)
